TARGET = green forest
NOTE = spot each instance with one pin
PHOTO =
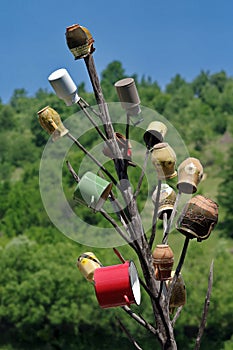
(45, 303)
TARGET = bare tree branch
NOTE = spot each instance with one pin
(170, 221)
(177, 314)
(92, 158)
(206, 308)
(73, 173)
(142, 175)
(155, 214)
(83, 106)
(140, 320)
(125, 330)
(177, 272)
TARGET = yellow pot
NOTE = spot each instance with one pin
(51, 122)
(163, 158)
(87, 263)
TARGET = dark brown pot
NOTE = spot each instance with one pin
(198, 218)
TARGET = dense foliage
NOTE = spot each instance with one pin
(44, 302)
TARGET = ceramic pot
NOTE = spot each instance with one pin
(154, 134)
(92, 190)
(190, 173)
(128, 96)
(163, 158)
(64, 86)
(79, 40)
(166, 200)
(87, 263)
(117, 285)
(198, 218)
(163, 260)
(51, 122)
(178, 296)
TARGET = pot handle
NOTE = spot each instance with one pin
(127, 300)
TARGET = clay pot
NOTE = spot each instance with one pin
(198, 218)
(79, 40)
(163, 260)
(154, 134)
(51, 122)
(87, 263)
(164, 160)
(178, 296)
(190, 173)
(166, 200)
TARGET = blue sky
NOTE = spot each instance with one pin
(157, 38)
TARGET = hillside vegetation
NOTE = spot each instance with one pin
(45, 303)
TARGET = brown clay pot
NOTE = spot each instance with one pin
(163, 158)
(178, 296)
(190, 173)
(198, 218)
(163, 260)
(166, 200)
(79, 40)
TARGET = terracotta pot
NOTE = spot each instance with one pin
(178, 296)
(166, 200)
(164, 160)
(154, 134)
(190, 173)
(92, 190)
(51, 122)
(163, 260)
(198, 218)
(117, 285)
(79, 40)
(87, 263)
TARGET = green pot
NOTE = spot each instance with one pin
(92, 190)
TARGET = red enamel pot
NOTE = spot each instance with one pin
(117, 285)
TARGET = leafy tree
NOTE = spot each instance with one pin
(225, 193)
(199, 82)
(219, 80)
(176, 83)
(7, 120)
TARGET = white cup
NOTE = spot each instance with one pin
(64, 86)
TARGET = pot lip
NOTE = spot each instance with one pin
(185, 187)
(134, 282)
(166, 209)
(160, 145)
(191, 234)
(43, 109)
(162, 245)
